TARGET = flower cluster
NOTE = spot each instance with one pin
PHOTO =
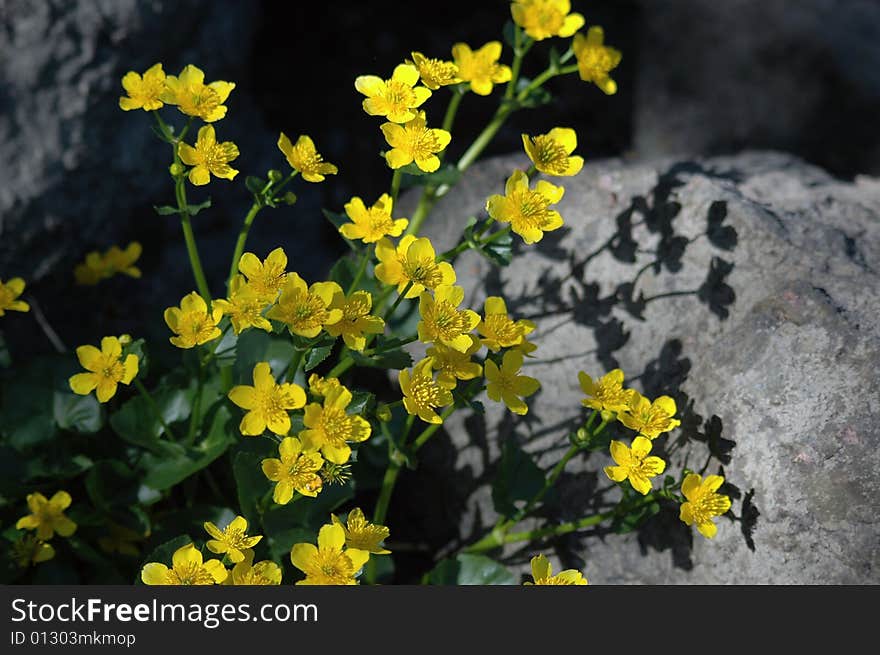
(263, 379)
(634, 463)
(46, 519)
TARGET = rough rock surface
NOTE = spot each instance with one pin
(748, 288)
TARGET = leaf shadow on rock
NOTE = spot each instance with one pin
(571, 296)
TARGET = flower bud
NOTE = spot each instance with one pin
(275, 176)
(176, 169)
(290, 198)
(383, 412)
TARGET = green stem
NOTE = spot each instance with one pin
(239, 244)
(397, 302)
(194, 261)
(429, 431)
(549, 481)
(395, 188)
(154, 407)
(496, 539)
(360, 271)
(294, 364)
(452, 109)
(196, 410)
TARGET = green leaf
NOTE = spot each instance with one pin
(163, 553)
(257, 346)
(509, 33)
(181, 462)
(535, 98)
(254, 184)
(518, 479)
(192, 210)
(110, 484)
(362, 402)
(251, 484)
(467, 569)
(343, 272)
(412, 169)
(137, 423)
(195, 209)
(78, 413)
(446, 175)
(315, 356)
(136, 347)
(393, 359)
(632, 520)
(499, 251)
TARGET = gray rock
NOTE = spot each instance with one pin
(758, 316)
(717, 77)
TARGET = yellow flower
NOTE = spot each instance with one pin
(304, 157)
(415, 142)
(320, 387)
(361, 534)
(328, 563)
(527, 210)
(244, 307)
(232, 540)
(356, 319)
(47, 516)
(372, 224)
(499, 330)
(607, 393)
(106, 369)
(542, 19)
(306, 310)
(99, 266)
(395, 98)
(265, 278)
(195, 98)
(143, 92)
(595, 60)
(542, 573)
(246, 573)
(267, 402)
(208, 157)
(187, 568)
(442, 322)
(422, 394)
(192, 322)
(413, 260)
(294, 471)
(28, 549)
(452, 365)
(9, 293)
(703, 503)
(506, 384)
(481, 68)
(647, 418)
(435, 72)
(634, 464)
(550, 152)
(329, 427)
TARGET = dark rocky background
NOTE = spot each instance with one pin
(697, 76)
